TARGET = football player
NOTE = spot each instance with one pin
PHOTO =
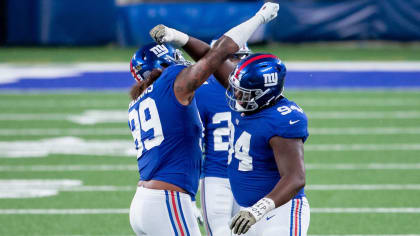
(166, 127)
(218, 204)
(266, 168)
(267, 132)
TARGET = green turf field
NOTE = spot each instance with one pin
(362, 173)
(349, 51)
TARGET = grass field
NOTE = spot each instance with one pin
(60, 177)
(350, 51)
(371, 188)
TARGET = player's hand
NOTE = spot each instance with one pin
(163, 34)
(197, 213)
(241, 222)
(268, 11)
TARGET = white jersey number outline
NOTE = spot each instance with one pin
(219, 145)
(138, 119)
(241, 150)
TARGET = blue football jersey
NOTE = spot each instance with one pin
(167, 134)
(215, 115)
(252, 170)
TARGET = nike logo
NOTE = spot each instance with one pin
(293, 122)
(269, 217)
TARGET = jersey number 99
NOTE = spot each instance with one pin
(140, 121)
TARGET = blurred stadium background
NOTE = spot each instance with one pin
(66, 161)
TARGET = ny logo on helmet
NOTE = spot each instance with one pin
(159, 50)
(270, 79)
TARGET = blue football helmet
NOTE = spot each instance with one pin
(256, 82)
(154, 56)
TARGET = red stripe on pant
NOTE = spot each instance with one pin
(296, 217)
(176, 214)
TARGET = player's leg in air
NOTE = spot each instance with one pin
(166, 128)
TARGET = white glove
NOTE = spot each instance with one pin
(197, 213)
(268, 11)
(247, 217)
(164, 34)
(241, 33)
(241, 222)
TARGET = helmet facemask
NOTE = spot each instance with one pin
(242, 99)
(179, 59)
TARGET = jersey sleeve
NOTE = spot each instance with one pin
(200, 97)
(166, 84)
(292, 125)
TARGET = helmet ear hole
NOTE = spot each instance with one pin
(164, 64)
(143, 55)
(279, 67)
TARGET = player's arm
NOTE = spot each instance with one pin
(189, 79)
(288, 154)
(196, 48)
(192, 77)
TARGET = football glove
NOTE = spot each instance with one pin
(247, 217)
(241, 222)
(164, 34)
(197, 213)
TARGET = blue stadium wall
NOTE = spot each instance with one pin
(95, 22)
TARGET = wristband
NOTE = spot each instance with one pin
(241, 33)
(179, 38)
(262, 207)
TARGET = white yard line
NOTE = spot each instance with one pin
(64, 168)
(355, 102)
(367, 166)
(291, 66)
(62, 211)
(312, 187)
(30, 116)
(126, 211)
(133, 167)
(71, 103)
(65, 131)
(70, 145)
(126, 132)
(103, 188)
(347, 115)
(353, 66)
(363, 131)
(365, 210)
(363, 147)
(308, 235)
(117, 116)
(304, 102)
(365, 187)
(363, 234)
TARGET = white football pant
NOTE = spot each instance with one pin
(162, 212)
(290, 219)
(218, 205)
